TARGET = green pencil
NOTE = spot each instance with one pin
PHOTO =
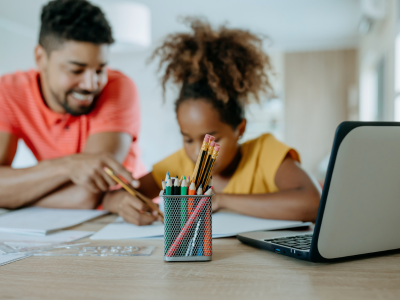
(168, 217)
(184, 191)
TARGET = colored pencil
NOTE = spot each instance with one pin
(201, 159)
(184, 191)
(168, 187)
(199, 236)
(207, 227)
(177, 188)
(184, 216)
(192, 244)
(192, 191)
(211, 165)
(210, 183)
(168, 215)
(206, 164)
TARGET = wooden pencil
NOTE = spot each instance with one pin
(201, 158)
(131, 190)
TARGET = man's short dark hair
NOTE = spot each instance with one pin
(73, 20)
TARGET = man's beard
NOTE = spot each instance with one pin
(84, 110)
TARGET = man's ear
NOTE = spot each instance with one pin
(242, 127)
(41, 58)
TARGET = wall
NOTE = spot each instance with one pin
(378, 44)
(317, 89)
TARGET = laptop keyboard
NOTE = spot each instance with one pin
(300, 242)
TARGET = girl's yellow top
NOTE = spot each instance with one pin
(255, 174)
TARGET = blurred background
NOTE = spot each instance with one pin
(334, 60)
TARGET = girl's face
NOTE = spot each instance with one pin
(197, 118)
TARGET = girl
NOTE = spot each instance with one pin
(218, 72)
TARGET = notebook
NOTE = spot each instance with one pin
(63, 236)
(9, 258)
(42, 221)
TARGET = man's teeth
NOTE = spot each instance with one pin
(81, 96)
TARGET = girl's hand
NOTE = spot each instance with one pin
(216, 202)
(130, 208)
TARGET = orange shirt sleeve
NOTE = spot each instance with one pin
(117, 109)
(6, 112)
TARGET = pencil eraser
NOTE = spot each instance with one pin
(212, 138)
(212, 144)
(217, 146)
(207, 137)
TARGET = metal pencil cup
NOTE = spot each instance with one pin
(187, 230)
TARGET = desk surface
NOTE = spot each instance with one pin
(237, 271)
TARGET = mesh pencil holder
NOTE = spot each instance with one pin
(187, 230)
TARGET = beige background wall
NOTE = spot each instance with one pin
(318, 86)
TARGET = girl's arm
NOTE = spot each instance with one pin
(131, 208)
(298, 197)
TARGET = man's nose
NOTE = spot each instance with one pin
(90, 81)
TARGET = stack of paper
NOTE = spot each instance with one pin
(42, 221)
(223, 225)
(63, 236)
(6, 259)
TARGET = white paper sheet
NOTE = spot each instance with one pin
(121, 231)
(223, 225)
(63, 236)
(9, 258)
(42, 221)
(229, 224)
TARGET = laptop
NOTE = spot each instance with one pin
(359, 211)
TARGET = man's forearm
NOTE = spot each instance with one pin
(19, 187)
(71, 196)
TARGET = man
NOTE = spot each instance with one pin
(75, 115)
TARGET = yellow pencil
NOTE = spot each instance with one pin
(133, 192)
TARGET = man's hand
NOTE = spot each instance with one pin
(87, 170)
(130, 208)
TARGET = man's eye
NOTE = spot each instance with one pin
(99, 71)
(76, 72)
(188, 141)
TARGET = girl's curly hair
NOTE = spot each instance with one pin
(221, 66)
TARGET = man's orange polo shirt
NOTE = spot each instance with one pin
(50, 135)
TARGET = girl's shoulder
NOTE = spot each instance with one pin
(268, 147)
(177, 163)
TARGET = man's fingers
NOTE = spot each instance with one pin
(100, 182)
(92, 186)
(107, 178)
(118, 168)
